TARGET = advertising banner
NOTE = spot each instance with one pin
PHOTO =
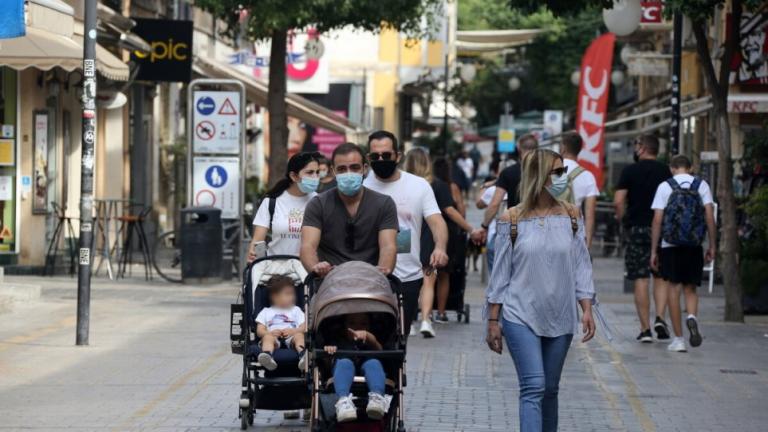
(170, 58)
(593, 102)
(216, 183)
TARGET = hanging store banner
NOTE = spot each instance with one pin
(750, 64)
(170, 58)
(593, 103)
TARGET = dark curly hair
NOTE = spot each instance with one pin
(276, 283)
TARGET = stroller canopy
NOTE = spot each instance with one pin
(263, 270)
(353, 287)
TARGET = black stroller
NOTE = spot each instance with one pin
(286, 387)
(356, 287)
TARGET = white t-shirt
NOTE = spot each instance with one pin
(664, 191)
(584, 185)
(279, 319)
(286, 223)
(487, 197)
(466, 165)
(415, 201)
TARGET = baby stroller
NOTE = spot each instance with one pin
(356, 287)
(284, 389)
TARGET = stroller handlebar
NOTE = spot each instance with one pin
(382, 354)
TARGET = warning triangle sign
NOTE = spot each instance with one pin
(6, 233)
(227, 108)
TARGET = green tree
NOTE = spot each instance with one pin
(716, 76)
(544, 66)
(273, 19)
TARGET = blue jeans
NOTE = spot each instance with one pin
(344, 374)
(539, 362)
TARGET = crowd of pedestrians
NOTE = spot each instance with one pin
(410, 222)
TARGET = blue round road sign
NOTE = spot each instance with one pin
(206, 105)
(216, 176)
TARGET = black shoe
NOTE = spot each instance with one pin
(662, 331)
(441, 318)
(693, 328)
(645, 336)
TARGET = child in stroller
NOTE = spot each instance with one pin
(281, 324)
(356, 335)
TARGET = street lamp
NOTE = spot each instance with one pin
(617, 78)
(575, 77)
(624, 17)
(514, 83)
(467, 72)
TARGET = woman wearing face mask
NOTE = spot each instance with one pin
(327, 180)
(282, 210)
(541, 270)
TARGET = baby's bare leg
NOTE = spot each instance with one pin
(298, 342)
(268, 343)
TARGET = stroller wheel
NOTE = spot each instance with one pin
(466, 314)
(250, 418)
(244, 418)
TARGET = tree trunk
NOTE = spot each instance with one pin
(729, 239)
(278, 119)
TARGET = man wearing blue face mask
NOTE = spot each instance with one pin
(349, 222)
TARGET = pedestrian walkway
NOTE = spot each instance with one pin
(159, 360)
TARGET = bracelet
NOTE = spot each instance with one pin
(493, 319)
(485, 227)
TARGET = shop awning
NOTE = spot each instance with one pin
(476, 42)
(42, 50)
(296, 106)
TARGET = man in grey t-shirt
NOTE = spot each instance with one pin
(350, 222)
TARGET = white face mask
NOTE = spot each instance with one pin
(322, 173)
(558, 186)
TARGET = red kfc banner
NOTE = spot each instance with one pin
(593, 101)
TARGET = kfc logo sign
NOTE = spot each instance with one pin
(593, 102)
(651, 12)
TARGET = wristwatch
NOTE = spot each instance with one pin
(484, 226)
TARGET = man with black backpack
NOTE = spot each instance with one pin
(683, 215)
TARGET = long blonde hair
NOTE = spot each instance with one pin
(536, 168)
(417, 163)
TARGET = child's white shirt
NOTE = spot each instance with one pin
(279, 319)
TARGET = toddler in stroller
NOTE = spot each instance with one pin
(356, 335)
(358, 350)
(281, 324)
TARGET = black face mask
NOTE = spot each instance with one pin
(636, 156)
(384, 168)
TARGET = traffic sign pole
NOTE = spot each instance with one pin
(208, 108)
(86, 175)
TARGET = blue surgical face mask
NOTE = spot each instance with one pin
(349, 183)
(308, 184)
(558, 186)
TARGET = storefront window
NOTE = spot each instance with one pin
(8, 137)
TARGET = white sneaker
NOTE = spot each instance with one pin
(413, 331)
(345, 409)
(265, 359)
(377, 406)
(677, 345)
(426, 329)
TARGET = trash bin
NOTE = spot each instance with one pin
(201, 245)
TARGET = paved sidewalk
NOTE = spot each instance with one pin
(159, 360)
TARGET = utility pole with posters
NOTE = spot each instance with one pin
(86, 174)
(677, 47)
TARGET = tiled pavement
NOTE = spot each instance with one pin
(159, 360)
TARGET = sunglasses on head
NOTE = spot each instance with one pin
(375, 156)
(559, 171)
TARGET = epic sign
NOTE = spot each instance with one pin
(593, 101)
(170, 58)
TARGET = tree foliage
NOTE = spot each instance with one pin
(544, 67)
